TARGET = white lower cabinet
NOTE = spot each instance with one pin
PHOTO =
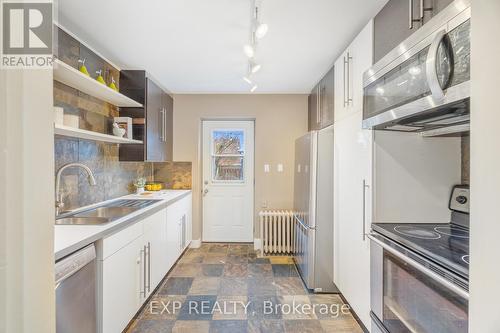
(122, 284)
(180, 223)
(352, 213)
(173, 236)
(156, 238)
(133, 261)
(188, 204)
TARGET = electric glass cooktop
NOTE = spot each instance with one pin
(445, 244)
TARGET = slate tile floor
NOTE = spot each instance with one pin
(228, 288)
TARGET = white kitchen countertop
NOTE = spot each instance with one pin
(70, 238)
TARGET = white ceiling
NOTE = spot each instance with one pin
(195, 46)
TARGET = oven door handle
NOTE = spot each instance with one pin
(436, 277)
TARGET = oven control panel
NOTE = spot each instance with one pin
(460, 199)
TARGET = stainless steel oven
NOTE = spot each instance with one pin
(409, 293)
(424, 83)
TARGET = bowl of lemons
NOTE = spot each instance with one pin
(154, 186)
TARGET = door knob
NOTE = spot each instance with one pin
(205, 191)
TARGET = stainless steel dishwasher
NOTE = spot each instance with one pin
(76, 292)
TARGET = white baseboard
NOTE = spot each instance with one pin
(257, 244)
(195, 243)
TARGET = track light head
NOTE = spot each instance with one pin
(254, 68)
(247, 80)
(261, 30)
(249, 50)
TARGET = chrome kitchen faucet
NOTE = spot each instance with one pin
(59, 199)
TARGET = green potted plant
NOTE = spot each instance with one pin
(139, 184)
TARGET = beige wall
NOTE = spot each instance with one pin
(279, 120)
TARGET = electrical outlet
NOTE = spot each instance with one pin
(264, 204)
(280, 167)
(267, 168)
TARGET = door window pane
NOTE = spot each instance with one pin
(228, 154)
(227, 168)
(228, 142)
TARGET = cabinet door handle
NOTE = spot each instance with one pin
(349, 92)
(164, 125)
(149, 267)
(180, 234)
(348, 77)
(345, 99)
(410, 14)
(143, 254)
(160, 123)
(424, 9)
(412, 20)
(365, 186)
(318, 109)
(347, 80)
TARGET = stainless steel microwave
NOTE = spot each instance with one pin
(423, 85)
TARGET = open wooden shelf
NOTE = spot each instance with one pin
(72, 77)
(90, 135)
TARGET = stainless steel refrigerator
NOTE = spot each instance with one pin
(313, 205)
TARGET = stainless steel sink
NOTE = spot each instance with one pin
(108, 212)
(103, 214)
(82, 220)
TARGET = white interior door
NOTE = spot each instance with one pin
(228, 181)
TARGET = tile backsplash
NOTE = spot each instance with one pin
(174, 175)
(466, 159)
(114, 178)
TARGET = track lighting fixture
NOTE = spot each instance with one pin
(257, 31)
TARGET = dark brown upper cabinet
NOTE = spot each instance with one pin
(153, 123)
(327, 99)
(313, 109)
(396, 22)
(321, 102)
